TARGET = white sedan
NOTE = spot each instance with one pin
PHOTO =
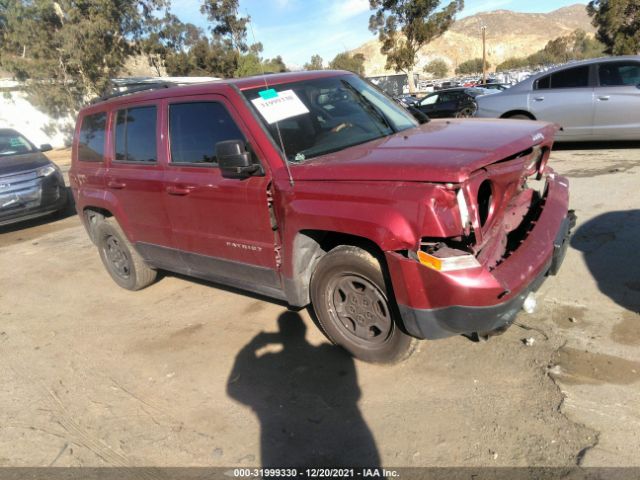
(597, 99)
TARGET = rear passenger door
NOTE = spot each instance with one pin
(617, 113)
(565, 97)
(135, 175)
(221, 225)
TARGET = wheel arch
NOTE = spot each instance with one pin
(101, 205)
(511, 113)
(308, 248)
(91, 216)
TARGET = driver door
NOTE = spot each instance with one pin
(221, 225)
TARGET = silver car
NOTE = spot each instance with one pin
(596, 99)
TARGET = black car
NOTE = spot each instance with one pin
(407, 100)
(453, 102)
(30, 184)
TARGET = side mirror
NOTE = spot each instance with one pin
(45, 147)
(418, 115)
(234, 160)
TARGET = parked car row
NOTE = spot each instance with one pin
(595, 99)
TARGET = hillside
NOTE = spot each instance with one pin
(509, 34)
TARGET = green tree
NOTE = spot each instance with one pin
(70, 49)
(167, 37)
(618, 24)
(252, 63)
(438, 68)
(346, 61)
(405, 26)
(315, 63)
(471, 66)
(275, 65)
(223, 14)
(4, 6)
(513, 64)
(575, 46)
(586, 46)
(248, 65)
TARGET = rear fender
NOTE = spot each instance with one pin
(102, 200)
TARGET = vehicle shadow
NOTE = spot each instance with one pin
(306, 399)
(609, 244)
(602, 145)
(68, 211)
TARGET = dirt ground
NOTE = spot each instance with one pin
(186, 373)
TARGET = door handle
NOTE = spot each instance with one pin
(179, 190)
(115, 184)
(604, 98)
(539, 99)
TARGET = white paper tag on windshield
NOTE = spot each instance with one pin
(285, 105)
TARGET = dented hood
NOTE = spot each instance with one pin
(439, 151)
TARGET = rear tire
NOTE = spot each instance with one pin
(355, 309)
(466, 112)
(124, 264)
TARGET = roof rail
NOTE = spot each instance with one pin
(130, 88)
(129, 85)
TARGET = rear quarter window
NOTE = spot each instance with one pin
(92, 137)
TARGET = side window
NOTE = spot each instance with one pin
(446, 97)
(571, 78)
(195, 128)
(430, 100)
(617, 74)
(136, 135)
(543, 83)
(92, 136)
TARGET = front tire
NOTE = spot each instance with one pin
(355, 309)
(124, 264)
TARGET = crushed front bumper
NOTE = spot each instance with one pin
(25, 196)
(437, 305)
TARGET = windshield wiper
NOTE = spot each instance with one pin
(370, 107)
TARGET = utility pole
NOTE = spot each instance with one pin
(484, 54)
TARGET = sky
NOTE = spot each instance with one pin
(298, 29)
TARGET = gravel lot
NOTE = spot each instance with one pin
(186, 373)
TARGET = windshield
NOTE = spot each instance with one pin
(12, 143)
(324, 115)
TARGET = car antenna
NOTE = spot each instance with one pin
(266, 86)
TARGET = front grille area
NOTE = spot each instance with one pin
(22, 190)
(516, 237)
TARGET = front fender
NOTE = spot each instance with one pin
(392, 215)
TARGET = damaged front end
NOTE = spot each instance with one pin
(514, 224)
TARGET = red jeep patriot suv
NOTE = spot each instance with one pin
(316, 188)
